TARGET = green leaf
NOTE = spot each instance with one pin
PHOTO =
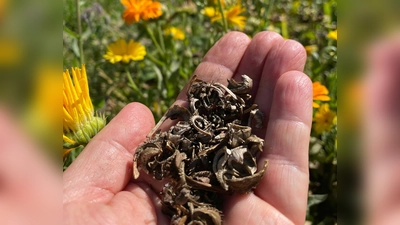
(70, 32)
(316, 199)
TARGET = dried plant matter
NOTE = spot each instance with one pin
(210, 151)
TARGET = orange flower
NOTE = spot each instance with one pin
(140, 9)
(320, 93)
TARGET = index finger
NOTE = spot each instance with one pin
(221, 61)
(219, 64)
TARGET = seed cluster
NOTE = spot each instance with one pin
(210, 151)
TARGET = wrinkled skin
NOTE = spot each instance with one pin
(98, 188)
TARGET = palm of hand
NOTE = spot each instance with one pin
(98, 186)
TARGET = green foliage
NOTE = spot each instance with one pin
(158, 78)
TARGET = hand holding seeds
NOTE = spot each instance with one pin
(210, 151)
(99, 180)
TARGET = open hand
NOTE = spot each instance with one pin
(98, 188)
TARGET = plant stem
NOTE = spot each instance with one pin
(284, 27)
(160, 36)
(221, 10)
(131, 83)
(268, 10)
(154, 39)
(80, 41)
(156, 61)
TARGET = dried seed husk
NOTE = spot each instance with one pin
(210, 151)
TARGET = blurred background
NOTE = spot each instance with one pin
(30, 65)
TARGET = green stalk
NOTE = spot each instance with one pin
(221, 10)
(268, 10)
(80, 41)
(131, 83)
(154, 39)
(160, 36)
(154, 60)
(284, 28)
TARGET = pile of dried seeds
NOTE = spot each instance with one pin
(210, 151)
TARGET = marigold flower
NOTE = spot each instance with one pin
(232, 15)
(140, 9)
(310, 49)
(212, 13)
(320, 93)
(125, 52)
(324, 118)
(332, 34)
(175, 32)
(79, 121)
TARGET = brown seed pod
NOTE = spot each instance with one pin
(210, 151)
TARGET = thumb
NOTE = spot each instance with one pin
(104, 167)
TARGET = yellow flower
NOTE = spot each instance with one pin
(212, 13)
(11, 51)
(310, 49)
(79, 122)
(232, 15)
(332, 34)
(324, 119)
(140, 9)
(320, 93)
(125, 52)
(175, 32)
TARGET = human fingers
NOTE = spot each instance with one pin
(104, 167)
(382, 80)
(150, 210)
(382, 126)
(250, 209)
(218, 65)
(285, 182)
(284, 56)
(29, 183)
(221, 61)
(137, 203)
(254, 58)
